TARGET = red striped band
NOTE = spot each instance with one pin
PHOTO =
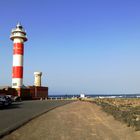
(18, 48)
(17, 72)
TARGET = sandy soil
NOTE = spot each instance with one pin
(75, 121)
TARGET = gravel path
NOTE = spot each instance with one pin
(75, 121)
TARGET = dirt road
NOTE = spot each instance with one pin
(75, 121)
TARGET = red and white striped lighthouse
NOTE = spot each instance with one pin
(18, 36)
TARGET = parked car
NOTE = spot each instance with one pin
(14, 98)
(17, 99)
(5, 100)
(11, 97)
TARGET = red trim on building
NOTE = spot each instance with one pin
(17, 72)
(18, 48)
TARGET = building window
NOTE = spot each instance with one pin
(14, 84)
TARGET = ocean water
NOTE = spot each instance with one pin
(97, 96)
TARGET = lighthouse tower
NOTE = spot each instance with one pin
(18, 36)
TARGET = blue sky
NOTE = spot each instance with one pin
(90, 46)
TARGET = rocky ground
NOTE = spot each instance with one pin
(75, 121)
(126, 110)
